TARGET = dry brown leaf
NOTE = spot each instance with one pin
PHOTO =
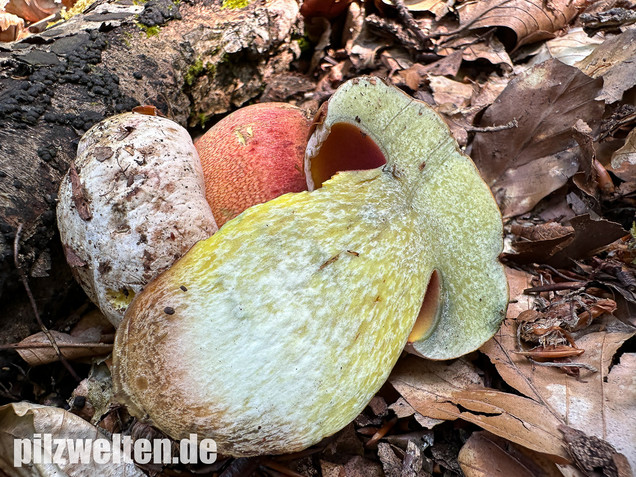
(623, 163)
(486, 455)
(11, 27)
(570, 48)
(451, 391)
(439, 8)
(619, 420)
(21, 420)
(538, 243)
(35, 10)
(364, 48)
(37, 349)
(475, 47)
(588, 403)
(450, 96)
(589, 236)
(518, 419)
(426, 385)
(614, 62)
(446, 66)
(580, 238)
(593, 455)
(522, 165)
(530, 20)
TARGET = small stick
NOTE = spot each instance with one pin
(381, 432)
(556, 287)
(554, 270)
(409, 22)
(59, 345)
(25, 283)
(500, 127)
(552, 364)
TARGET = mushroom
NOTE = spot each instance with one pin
(130, 205)
(253, 155)
(277, 331)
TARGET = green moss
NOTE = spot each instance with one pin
(150, 31)
(304, 43)
(233, 4)
(126, 39)
(202, 120)
(197, 69)
(193, 72)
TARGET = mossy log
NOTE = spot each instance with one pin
(191, 60)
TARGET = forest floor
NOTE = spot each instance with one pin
(541, 95)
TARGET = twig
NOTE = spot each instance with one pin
(501, 127)
(25, 283)
(59, 345)
(552, 364)
(555, 287)
(554, 270)
(409, 22)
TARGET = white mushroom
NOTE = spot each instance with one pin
(130, 168)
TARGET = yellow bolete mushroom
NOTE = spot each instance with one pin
(276, 331)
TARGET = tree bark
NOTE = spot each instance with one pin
(191, 60)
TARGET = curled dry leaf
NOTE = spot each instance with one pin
(35, 10)
(37, 349)
(589, 236)
(474, 47)
(592, 454)
(623, 164)
(570, 48)
(486, 455)
(537, 243)
(21, 420)
(452, 391)
(608, 393)
(614, 62)
(439, 8)
(530, 20)
(11, 27)
(558, 245)
(524, 164)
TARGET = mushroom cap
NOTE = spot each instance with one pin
(131, 204)
(253, 155)
(276, 332)
(459, 225)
